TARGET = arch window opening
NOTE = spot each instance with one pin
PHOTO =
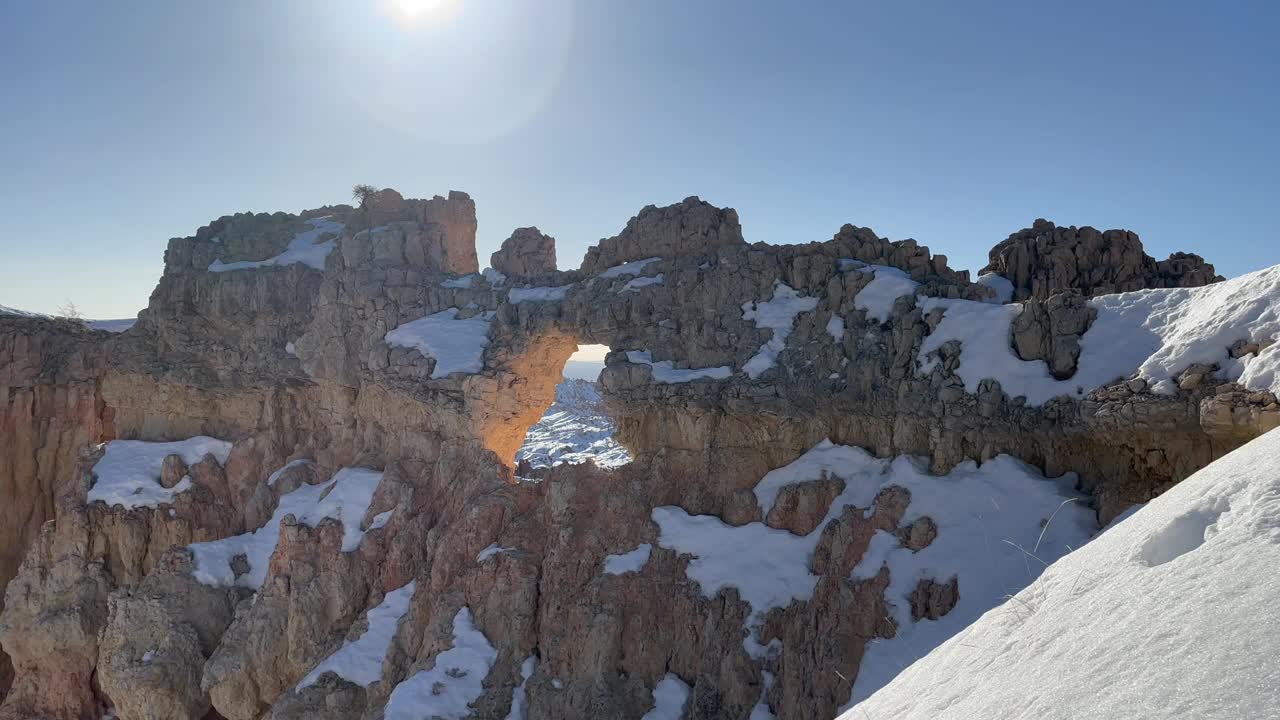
(576, 428)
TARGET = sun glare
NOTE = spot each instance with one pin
(412, 9)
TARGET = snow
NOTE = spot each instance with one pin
(494, 277)
(637, 283)
(538, 294)
(148, 656)
(345, 497)
(129, 472)
(492, 550)
(360, 660)
(1155, 334)
(290, 348)
(886, 286)
(665, 371)
(632, 268)
(835, 328)
(303, 248)
(985, 516)
(574, 429)
(114, 326)
(519, 696)
(466, 281)
(381, 519)
(999, 283)
(761, 710)
(271, 480)
(629, 561)
(669, 698)
(456, 680)
(1170, 613)
(777, 314)
(6, 310)
(457, 344)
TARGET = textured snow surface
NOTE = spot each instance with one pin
(456, 344)
(519, 696)
(491, 550)
(465, 281)
(538, 294)
(985, 516)
(360, 660)
(1168, 614)
(129, 472)
(999, 283)
(887, 285)
(669, 698)
(271, 480)
(629, 561)
(574, 429)
(632, 268)
(637, 283)
(456, 681)
(1155, 334)
(666, 372)
(777, 314)
(303, 248)
(345, 497)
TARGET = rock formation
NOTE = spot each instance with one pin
(528, 253)
(372, 390)
(1045, 259)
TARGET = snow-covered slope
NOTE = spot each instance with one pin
(573, 430)
(1169, 614)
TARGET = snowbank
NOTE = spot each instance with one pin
(640, 282)
(1155, 334)
(777, 314)
(360, 660)
(665, 371)
(345, 497)
(1170, 613)
(129, 472)
(988, 518)
(303, 248)
(456, 681)
(456, 344)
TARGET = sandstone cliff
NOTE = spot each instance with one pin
(370, 389)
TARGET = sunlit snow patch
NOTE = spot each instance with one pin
(632, 268)
(1104, 633)
(456, 681)
(345, 497)
(574, 429)
(777, 314)
(627, 562)
(665, 371)
(129, 472)
(360, 660)
(999, 283)
(1153, 333)
(989, 518)
(457, 344)
(303, 248)
(886, 286)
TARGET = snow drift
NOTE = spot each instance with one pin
(1170, 613)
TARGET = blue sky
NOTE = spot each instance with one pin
(953, 123)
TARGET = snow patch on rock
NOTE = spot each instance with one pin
(129, 472)
(360, 660)
(457, 680)
(665, 371)
(777, 314)
(303, 249)
(457, 344)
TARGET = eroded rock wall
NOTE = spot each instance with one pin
(710, 390)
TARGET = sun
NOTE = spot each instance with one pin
(412, 9)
